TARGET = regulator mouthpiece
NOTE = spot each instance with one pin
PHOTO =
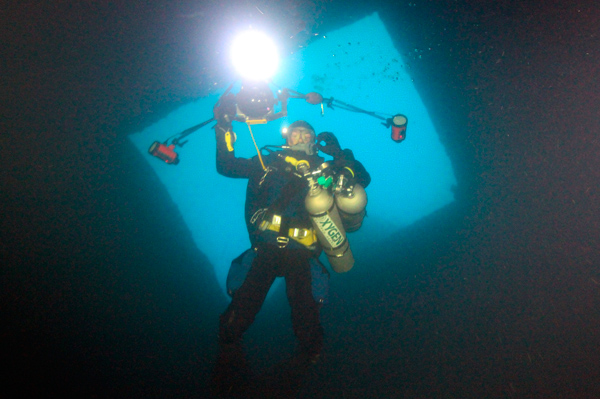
(399, 123)
(164, 152)
(308, 148)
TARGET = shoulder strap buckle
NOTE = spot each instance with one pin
(282, 241)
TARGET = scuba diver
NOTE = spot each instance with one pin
(282, 234)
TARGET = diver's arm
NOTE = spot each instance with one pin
(361, 175)
(227, 163)
(345, 160)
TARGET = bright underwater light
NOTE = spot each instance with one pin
(254, 55)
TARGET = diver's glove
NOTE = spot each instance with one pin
(225, 137)
(342, 159)
(331, 145)
(224, 110)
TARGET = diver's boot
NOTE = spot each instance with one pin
(310, 354)
(312, 357)
(232, 375)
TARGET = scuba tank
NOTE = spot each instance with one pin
(327, 223)
(351, 202)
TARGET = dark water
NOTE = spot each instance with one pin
(104, 293)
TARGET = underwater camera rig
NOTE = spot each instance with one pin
(255, 104)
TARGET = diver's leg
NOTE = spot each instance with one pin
(305, 310)
(248, 299)
(232, 375)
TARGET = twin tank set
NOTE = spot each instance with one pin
(334, 212)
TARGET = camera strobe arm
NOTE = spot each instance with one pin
(348, 107)
(188, 131)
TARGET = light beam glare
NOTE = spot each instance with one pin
(254, 55)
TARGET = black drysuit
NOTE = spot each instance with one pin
(292, 261)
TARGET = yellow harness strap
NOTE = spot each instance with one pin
(306, 237)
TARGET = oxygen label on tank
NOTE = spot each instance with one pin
(332, 234)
